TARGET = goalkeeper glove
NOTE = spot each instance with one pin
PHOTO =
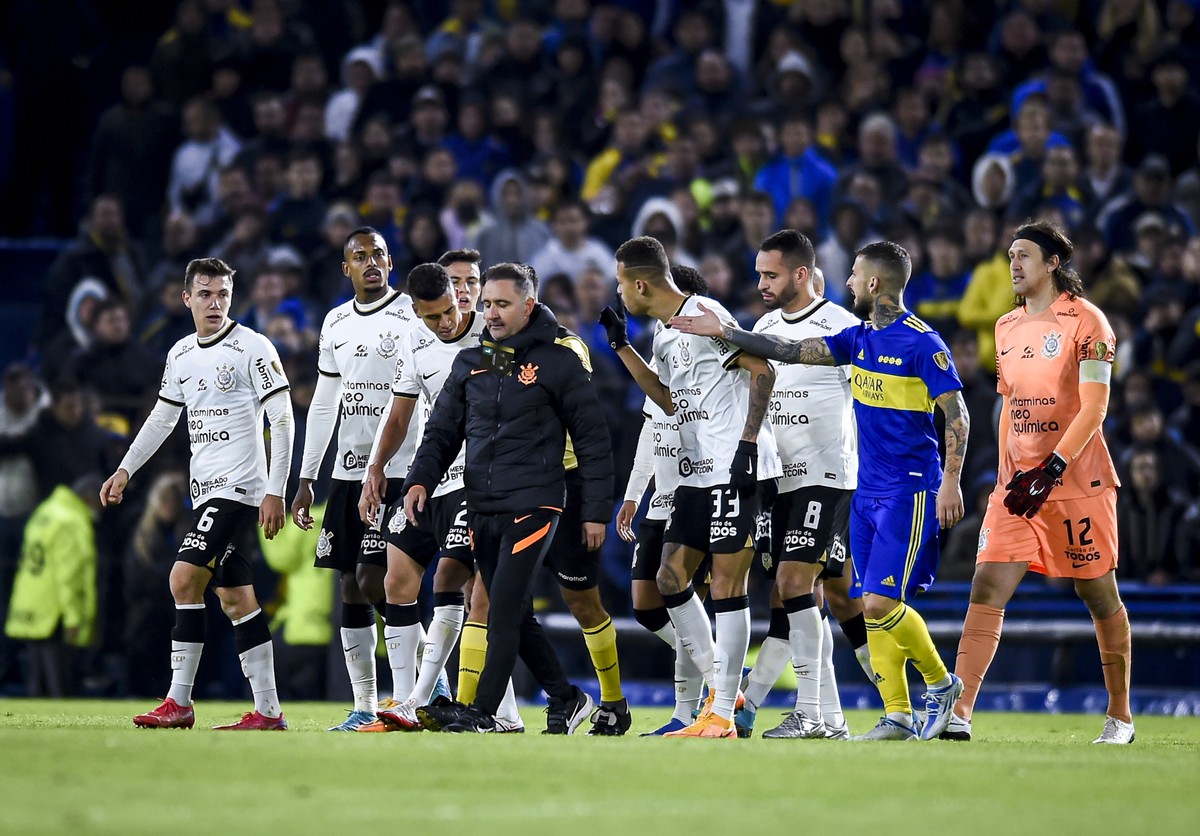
(615, 327)
(743, 473)
(1029, 489)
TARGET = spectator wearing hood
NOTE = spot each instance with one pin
(513, 235)
(361, 67)
(661, 219)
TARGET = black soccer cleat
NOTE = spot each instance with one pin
(611, 719)
(563, 717)
(440, 713)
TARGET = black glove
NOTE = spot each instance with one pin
(1028, 490)
(615, 327)
(743, 473)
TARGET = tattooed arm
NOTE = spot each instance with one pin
(958, 425)
(812, 351)
(762, 379)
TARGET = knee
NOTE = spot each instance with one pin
(369, 580)
(1101, 598)
(237, 602)
(186, 587)
(877, 607)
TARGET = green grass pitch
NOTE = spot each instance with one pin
(81, 767)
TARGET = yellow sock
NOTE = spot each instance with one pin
(887, 660)
(905, 625)
(602, 647)
(472, 648)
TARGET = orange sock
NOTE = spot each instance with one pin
(1112, 634)
(976, 649)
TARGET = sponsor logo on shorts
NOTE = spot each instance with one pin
(325, 543)
(194, 541)
(720, 529)
(794, 541)
(457, 538)
(888, 581)
(1079, 559)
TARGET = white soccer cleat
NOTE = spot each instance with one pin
(957, 729)
(1116, 732)
(841, 732)
(889, 729)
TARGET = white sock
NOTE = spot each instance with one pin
(688, 681)
(401, 643)
(772, 656)
(667, 634)
(443, 633)
(831, 701)
(695, 634)
(863, 655)
(508, 705)
(358, 645)
(804, 640)
(258, 666)
(733, 640)
(185, 659)
(901, 717)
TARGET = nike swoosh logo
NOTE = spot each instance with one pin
(336, 346)
(792, 549)
(749, 468)
(184, 380)
(1005, 351)
(427, 376)
(522, 519)
(348, 649)
(478, 371)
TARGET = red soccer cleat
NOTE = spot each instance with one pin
(169, 715)
(253, 721)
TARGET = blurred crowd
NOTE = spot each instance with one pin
(549, 132)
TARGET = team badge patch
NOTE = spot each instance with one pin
(397, 522)
(685, 354)
(528, 374)
(1102, 350)
(278, 368)
(943, 360)
(1051, 345)
(225, 379)
(387, 345)
(983, 540)
(325, 544)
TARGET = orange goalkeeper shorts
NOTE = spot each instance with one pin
(1071, 538)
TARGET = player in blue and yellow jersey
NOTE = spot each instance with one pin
(900, 368)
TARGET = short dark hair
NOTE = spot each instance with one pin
(362, 230)
(205, 267)
(645, 255)
(523, 275)
(452, 256)
(428, 282)
(689, 280)
(794, 246)
(895, 267)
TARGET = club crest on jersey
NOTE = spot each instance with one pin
(942, 359)
(325, 543)
(983, 540)
(397, 522)
(225, 379)
(387, 345)
(1051, 345)
(685, 354)
(528, 374)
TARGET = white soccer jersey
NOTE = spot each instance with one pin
(222, 384)
(666, 461)
(812, 411)
(360, 345)
(421, 371)
(711, 395)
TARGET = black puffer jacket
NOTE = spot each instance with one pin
(515, 428)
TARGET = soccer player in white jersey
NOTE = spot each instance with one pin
(360, 341)
(226, 376)
(719, 396)
(657, 457)
(421, 369)
(812, 415)
(463, 267)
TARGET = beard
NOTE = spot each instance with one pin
(862, 307)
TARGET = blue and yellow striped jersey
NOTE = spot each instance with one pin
(896, 373)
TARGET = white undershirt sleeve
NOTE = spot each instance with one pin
(283, 433)
(322, 417)
(643, 464)
(150, 437)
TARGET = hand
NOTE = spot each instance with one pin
(1028, 490)
(271, 516)
(625, 521)
(949, 502)
(374, 487)
(414, 502)
(615, 326)
(593, 535)
(113, 489)
(705, 325)
(301, 505)
(743, 473)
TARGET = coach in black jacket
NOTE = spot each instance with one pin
(512, 399)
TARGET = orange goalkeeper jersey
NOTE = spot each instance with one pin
(1037, 358)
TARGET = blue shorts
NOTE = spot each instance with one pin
(894, 540)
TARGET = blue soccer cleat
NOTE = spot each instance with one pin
(939, 703)
(354, 722)
(674, 724)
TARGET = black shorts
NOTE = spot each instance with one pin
(222, 539)
(768, 489)
(812, 525)
(648, 553)
(345, 541)
(441, 527)
(569, 559)
(716, 520)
